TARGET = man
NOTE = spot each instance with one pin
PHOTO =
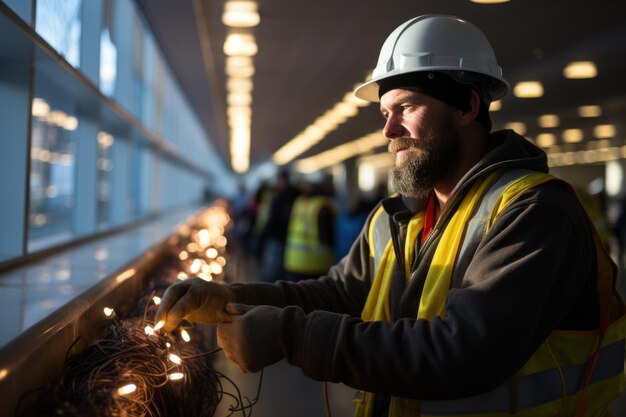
(310, 234)
(482, 289)
(274, 231)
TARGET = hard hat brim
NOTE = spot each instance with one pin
(369, 90)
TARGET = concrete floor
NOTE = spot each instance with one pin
(286, 392)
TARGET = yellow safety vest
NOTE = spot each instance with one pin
(572, 373)
(305, 253)
(263, 210)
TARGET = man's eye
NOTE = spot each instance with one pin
(385, 115)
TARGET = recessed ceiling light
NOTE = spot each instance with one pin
(240, 14)
(239, 99)
(518, 127)
(528, 89)
(548, 120)
(604, 131)
(545, 140)
(495, 105)
(242, 44)
(590, 111)
(572, 135)
(580, 70)
(240, 72)
(239, 61)
(239, 85)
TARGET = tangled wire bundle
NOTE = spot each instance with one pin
(131, 373)
(135, 370)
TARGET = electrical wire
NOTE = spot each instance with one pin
(326, 399)
(133, 372)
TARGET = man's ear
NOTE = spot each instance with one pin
(471, 114)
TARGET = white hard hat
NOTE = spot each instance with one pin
(438, 43)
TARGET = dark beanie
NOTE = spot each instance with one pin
(437, 85)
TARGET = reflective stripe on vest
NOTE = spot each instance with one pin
(535, 389)
(304, 251)
(551, 381)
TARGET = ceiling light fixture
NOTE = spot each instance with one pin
(606, 131)
(545, 140)
(314, 133)
(580, 70)
(528, 89)
(549, 120)
(243, 84)
(590, 111)
(518, 127)
(495, 105)
(342, 152)
(240, 14)
(239, 99)
(572, 135)
(240, 44)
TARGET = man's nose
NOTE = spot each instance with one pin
(393, 128)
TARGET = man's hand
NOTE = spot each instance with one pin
(251, 336)
(194, 300)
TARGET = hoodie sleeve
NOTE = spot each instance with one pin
(533, 272)
(343, 289)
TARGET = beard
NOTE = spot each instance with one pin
(426, 161)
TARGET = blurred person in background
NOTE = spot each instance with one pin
(309, 249)
(274, 234)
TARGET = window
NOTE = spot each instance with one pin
(108, 51)
(58, 22)
(51, 173)
(104, 165)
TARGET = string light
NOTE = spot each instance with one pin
(127, 389)
(127, 372)
(185, 336)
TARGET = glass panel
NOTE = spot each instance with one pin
(108, 52)
(21, 7)
(58, 22)
(51, 174)
(106, 141)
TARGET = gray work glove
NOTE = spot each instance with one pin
(253, 336)
(194, 300)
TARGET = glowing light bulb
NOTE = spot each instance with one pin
(185, 335)
(157, 300)
(168, 345)
(159, 325)
(175, 358)
(175, 376)
(195, 266)
(127, 389)
(108, 311)
(149, 330)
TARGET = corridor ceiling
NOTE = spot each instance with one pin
(310, 53)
